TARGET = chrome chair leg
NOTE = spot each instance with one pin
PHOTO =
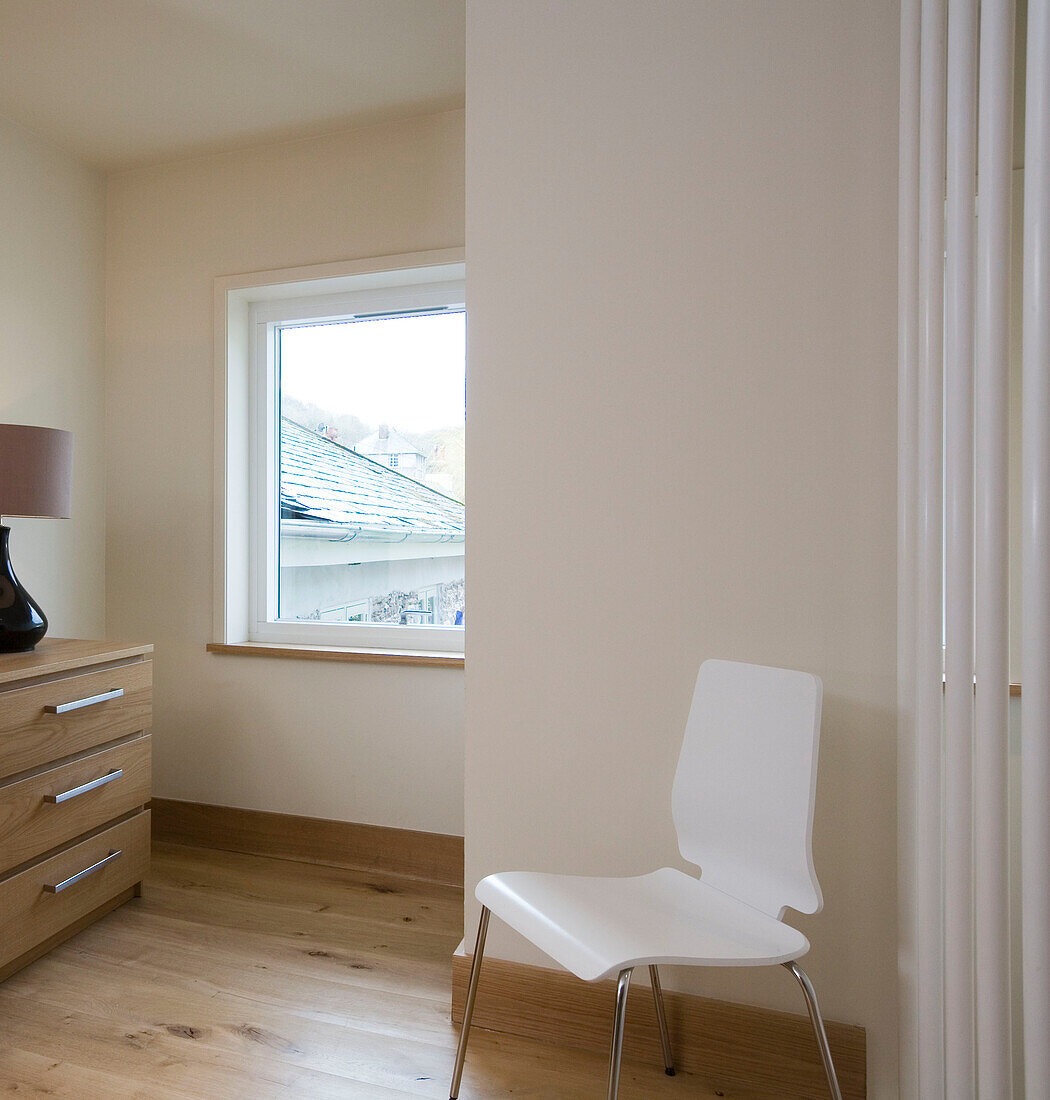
(468, 1008)
(617, 1036)
(818, 1027)
(661, 1019)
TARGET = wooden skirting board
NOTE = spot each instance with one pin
(435, 857)
(765, 1052)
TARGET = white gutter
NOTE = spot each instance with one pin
(337, 532)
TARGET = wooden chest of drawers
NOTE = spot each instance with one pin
(74, 789)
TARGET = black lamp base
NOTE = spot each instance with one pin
(22, 622)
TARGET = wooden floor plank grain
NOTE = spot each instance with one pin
(31, 1074)
(241, 977)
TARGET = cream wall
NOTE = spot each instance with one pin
(51, 370)
(376, 744)
(681, 264)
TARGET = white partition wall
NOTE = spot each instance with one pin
(681, 279)
(956, 156)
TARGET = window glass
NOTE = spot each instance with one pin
(371, 470)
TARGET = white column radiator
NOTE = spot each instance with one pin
(956, 149)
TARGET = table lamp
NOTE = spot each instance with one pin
(36, 479)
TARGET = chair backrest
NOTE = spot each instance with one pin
(746, 783)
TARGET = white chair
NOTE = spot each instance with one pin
(743, 809)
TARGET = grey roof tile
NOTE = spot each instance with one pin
(326, 482)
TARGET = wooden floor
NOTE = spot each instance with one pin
(236, 976)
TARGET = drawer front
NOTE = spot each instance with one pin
(32, 735)
(30, 912)
(46, 810)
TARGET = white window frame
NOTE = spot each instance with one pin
(249, 311)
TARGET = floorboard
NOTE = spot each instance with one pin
(239, 977)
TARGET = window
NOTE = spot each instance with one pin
(354, 519)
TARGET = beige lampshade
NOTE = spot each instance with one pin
(36, 471)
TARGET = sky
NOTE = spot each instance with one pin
(407, 372)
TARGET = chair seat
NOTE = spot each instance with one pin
(596, 927)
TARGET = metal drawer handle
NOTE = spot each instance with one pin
(91, 785)
(90, 701)
(116, 853)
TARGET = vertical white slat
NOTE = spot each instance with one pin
(1035, 560)
(907, 466)
(961, 156)
(928, 662)
(991, 813)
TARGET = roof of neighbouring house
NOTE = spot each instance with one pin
(325, 482)
(391, 443)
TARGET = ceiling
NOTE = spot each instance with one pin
(127, 82)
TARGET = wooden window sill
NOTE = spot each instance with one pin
(339, 653)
